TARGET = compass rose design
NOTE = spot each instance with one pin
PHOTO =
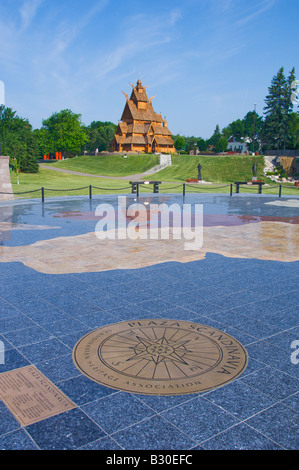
(160, 357)
(159, 350)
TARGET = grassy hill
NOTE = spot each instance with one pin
(109, 165)
(224, 169)
(214, 169)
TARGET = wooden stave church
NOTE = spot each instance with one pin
(141, 129)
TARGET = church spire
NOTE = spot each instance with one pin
(141, 129)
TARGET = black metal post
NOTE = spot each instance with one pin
(231, 190)
(90, 191)
(137, 189)
(43, 194)
(260, 188)
(184, 189)
(279, 194)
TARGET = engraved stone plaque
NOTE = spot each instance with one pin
(30, 396)
(160, 357)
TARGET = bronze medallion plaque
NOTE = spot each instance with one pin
(160, 357)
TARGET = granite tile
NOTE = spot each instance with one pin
(163, 403)
(17, 440)
(82, 390)
(284, 339)
(59, 327)
(27, 336)
(67, 431)
(292, 402)
(240, 437)
(5, 344)
(47, 314)
(199, 419)
(273, 356)
(7, 310)
(278, 423)
(128, 409)
(13, 359)
(16, 322)
(7, 422)
(272, 382)
(44, 350)
(239, 399)
(255, 327)
(58, 369)
(106, 443)
(70, 339)
(152, 434)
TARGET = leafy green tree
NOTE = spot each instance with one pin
(99, 135)
(214, 143)
(18, 140)
(221, 145)
(179, 143)
(278, 109)
(293, 142)
(191, 143)
(253, 126)
(63, 132)
(235, 129)
(201, 145)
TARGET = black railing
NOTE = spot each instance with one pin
(184, 186)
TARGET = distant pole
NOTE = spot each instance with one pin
(254, 126)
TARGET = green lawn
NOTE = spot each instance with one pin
(63, 184)
(226, 169)
(214, 168)
(221, 171)
(108, 165)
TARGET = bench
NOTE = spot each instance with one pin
(135, 186)
(259, 183)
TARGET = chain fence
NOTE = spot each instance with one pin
(234, 188)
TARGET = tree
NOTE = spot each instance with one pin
(278, 109)
(293, 142)
(253, 125)
(180, 143)
(215, 142)
(18, 140)
(235, 129)
(201, 145)
(99, 135)
(63, 132)
(221, 145)
(191, 143)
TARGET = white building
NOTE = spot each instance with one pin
(235, 145)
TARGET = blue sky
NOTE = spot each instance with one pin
(206, 61)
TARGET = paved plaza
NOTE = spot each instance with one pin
(60, 283)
